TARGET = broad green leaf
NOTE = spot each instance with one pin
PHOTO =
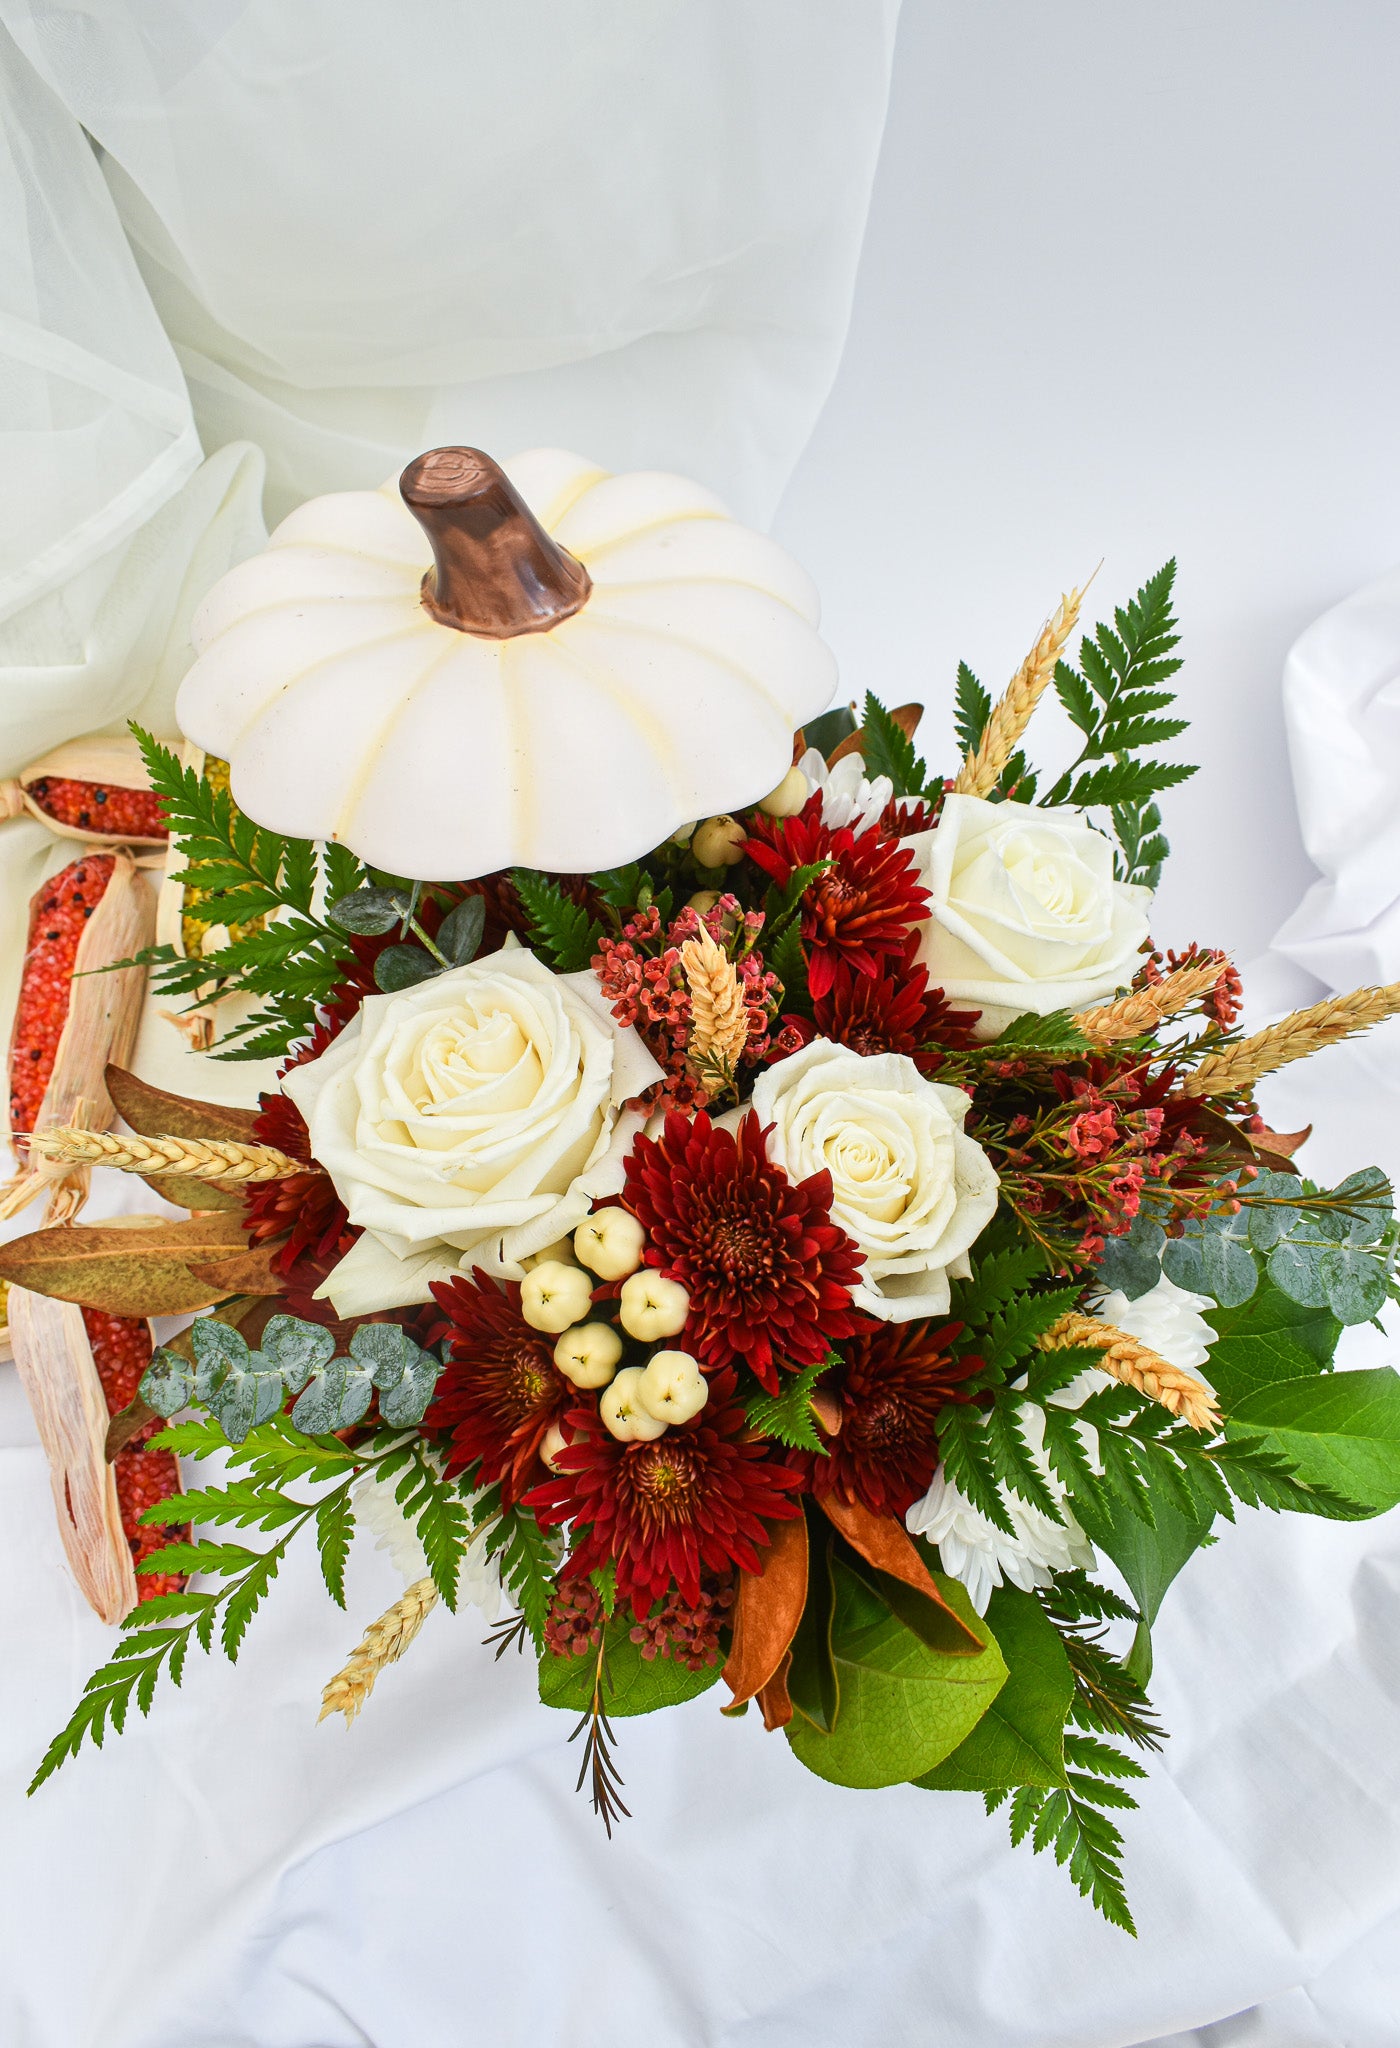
(1149, 1555)
(813, 1685)
(635, 1684)
(1020, 1740)
(904, 1704)
(1270, 1337)
(1339, 1430)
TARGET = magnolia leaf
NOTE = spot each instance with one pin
(154, 1113)
(141, 1268)
(336, 1396)
(247, 1272)
(1339, 1430)
(904, 1705)
(369, 913)
(1020, 1740)
(297, 1349)
(460, 933)
(403, 967)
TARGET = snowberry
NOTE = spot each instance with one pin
(610, 1244)
(788, 798)
(652, 1307)
(551, 1444)
(553, 1295)
(672, 1386)
(623, 1411)
(588, 1354)
(719, 842)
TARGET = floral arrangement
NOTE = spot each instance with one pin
(801, 1258)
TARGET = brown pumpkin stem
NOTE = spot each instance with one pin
(497, 571)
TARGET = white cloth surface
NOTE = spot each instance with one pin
(1341, 694)
(228, 1874)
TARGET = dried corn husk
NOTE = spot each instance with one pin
(65, 1394)
(104, 1015)
(112, 759)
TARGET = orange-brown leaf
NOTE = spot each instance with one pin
(883, 1542)
(767, 1610)
(140, 1269)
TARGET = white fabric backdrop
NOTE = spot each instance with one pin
(231, 1874)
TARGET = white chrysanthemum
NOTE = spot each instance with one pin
(847, 798)
(479, 1577)
(980, 1555)
(1168, 1318)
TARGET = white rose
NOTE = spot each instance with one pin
(469, 1120)
(907, 1183)
(1025, 914)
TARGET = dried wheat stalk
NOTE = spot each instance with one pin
(1128, 1359)
(1145, 1008)
(383, 1642)
(1235, 1070)
(981, 771)
(719, 1023)
(211, 1159)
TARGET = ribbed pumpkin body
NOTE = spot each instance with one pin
(347, 712)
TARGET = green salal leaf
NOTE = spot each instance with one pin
(904, 1704)
(1339, 1431)
(1020, 1740)
(635, 1684)
(1149, 1554)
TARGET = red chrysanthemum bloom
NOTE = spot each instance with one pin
(305, 1206)
(691, 1502)
(891, 1382)
(861, 908)
(893, 1010)
(501, 1390)
(768, 1273)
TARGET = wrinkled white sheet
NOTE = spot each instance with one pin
(230, 1875)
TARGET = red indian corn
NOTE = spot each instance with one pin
(61, 910)
(121, 1351)
(99, 807)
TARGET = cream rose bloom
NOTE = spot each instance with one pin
(1025, 914)
(908, 1184)
(469, 1120)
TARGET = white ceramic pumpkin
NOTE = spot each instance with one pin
(555, 668)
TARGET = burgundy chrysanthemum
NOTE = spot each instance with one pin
(501, 1389)
(861, 908)
(305, 1206)
(691, 1502)
(893, 1010)
(892, 1381)
(768, 1273)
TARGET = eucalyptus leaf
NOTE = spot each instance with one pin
(1212, 1256)
(250, 1392)
(1132, 1264)
(218, 1350)
(1355, 1283)
(1296, 1268)
(460, 933)
(167, 1385)
(369, 913)
(296, 1348)
(1373, 1201)
(403, 967)
(1269, 1220)
(336, 1396)
(404, 1374)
